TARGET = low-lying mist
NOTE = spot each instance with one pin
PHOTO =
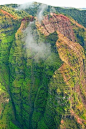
(40, 12)
(25, 6)
(39, 8)
(39, 50)
(35, 47)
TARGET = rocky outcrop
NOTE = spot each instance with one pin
(24, 22)
(54, 22)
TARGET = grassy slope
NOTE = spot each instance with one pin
(7, 36)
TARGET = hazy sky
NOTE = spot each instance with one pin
(62, 3)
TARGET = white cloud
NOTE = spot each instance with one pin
(38, 50)
(14, 1)
(25, 6)
(40, 12)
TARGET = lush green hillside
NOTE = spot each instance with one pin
(42, 68)
(76, 14)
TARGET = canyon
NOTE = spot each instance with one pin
(46, 91)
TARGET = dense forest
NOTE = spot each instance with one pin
(42, 67)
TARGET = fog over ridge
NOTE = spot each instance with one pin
(40, 49)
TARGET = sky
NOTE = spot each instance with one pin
(61, 3)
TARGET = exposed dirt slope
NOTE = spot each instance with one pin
(55, 22)
(8, 14)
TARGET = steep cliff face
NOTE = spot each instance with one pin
(10, 35)
(54, 22)
(8, 26)
(72, 71)
(30, 78)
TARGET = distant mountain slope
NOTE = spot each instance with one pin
(76, 14)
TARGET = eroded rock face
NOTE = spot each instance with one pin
(73, 69)
(54, 22)
(7, 14)
(71, 53)
(73, 73)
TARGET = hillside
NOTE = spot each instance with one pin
(42, 68)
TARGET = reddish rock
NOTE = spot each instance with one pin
(29, 18)
(54, 22)
(62, 121)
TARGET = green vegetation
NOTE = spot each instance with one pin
(76, 14)
(30, 79)
(39, 94)
(80, 34)
(18, 14)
